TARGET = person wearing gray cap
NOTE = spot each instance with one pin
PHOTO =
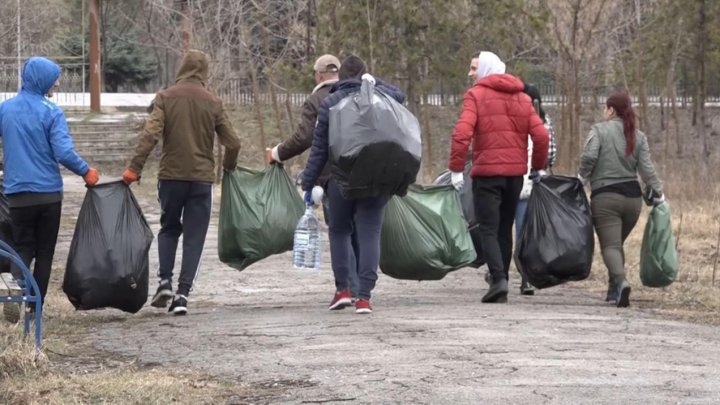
(326, 74)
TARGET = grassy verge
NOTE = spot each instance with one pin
(69, 371)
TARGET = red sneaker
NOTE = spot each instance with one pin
(362, 306)
(341, 300)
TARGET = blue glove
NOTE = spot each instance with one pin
(537, 175)
(308, 198)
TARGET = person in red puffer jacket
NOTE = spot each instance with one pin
(496, 118)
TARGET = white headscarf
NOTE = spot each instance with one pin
(489, 64)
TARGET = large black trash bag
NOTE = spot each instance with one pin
(375, 144)
(468, 209)
(108, 264)
(5, 229)
(556, 243)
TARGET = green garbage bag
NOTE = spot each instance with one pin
(424, 235)
(258, 214)
(658, 258)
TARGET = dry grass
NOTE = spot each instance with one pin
(69, 371)
(126, 385)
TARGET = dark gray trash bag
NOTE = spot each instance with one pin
(375, 144)
(468, 208)
(556, 242)
(108, 264)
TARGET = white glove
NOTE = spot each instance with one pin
(658, 200)
(457, 179)
(368, 77)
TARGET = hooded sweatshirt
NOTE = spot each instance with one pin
(496, 118)
(35, 138)
(186, 116)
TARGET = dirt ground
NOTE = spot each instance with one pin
(268, 329)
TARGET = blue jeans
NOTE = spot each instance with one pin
(520, 211)
(363, 218)
(353, 280)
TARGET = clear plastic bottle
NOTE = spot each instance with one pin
(307, 246)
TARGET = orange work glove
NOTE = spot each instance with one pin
(130, 177)
(91, 177)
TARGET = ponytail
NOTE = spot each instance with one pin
(622, 105)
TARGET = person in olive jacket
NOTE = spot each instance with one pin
(186, 116)
(614, 154)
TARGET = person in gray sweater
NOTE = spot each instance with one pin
(615, 153)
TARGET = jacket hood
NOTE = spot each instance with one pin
(346, 85)
(39, 75)
(194, 66)
(504, 83)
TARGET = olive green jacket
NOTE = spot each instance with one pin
(603, 161)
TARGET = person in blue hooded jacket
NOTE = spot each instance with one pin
(363, 216)
(35, 138)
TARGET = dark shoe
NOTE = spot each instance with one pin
(341, 300)
(163, 295)
(526, 288)
(624, 295)
(497, 292)
(362, 306)
(179, 305)
(612, 294)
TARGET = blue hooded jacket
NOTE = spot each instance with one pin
(35, 136)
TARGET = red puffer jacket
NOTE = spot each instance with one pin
(497, 117)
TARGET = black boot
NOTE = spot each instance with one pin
(526, 288)
(497, 292)
(612, 293)
(623, 300)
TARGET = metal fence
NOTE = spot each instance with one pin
(238, 92)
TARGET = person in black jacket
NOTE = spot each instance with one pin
(365, 215)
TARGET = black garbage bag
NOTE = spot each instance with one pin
(556, 243)
(108, 264)
(375, 144)
(468, 209)
(5, 229)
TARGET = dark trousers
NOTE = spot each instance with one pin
(614, 217)
(496, 200)
(186, 208)
(35, 231)
(364, 217)
(353, 279)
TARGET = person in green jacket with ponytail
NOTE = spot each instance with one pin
(614, 154)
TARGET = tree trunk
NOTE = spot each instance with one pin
(701, 88)
(370, 25)
(429, 161)
(575, 130)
